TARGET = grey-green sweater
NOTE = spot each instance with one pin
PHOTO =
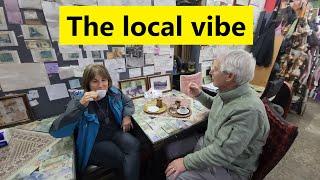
(237, 130)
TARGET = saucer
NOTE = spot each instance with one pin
(183, 112)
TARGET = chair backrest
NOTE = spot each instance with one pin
(186, 79)
(281, 136)
(284, 98)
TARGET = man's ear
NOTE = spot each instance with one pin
(231, 77)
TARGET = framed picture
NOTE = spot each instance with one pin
(134, 88)
(14, 110)
(160, 82)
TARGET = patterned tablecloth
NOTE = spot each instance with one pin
(159, 127)
(33, 154)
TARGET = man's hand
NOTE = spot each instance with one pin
(126, 124)
(175, 168)
(194, 89)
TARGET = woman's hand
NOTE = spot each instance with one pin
(87, 97)
(126, 124)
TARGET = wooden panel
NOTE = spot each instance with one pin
(261, 74)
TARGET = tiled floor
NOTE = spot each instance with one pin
(302, 162)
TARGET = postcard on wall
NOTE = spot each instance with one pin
(30, 4)
(117, 65)
(149, 49)
(30, 14)
(149, 58)
(95, 54)
(53, 30)
(38, 44)
(148, 70)
(66, 72)
(95, 47)
(134, 56)
(134, 72)
(83, 62)
(164, 2)
(3, 21)
(25, 76)
(72, 56)
(57, 91)
(35, 32)
(8, 38)
(85, 2)
(43, 55)
(69, 48)
(51, 11)
(242, 2)
(74, 83)
(9, 56)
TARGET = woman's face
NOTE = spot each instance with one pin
(99, 83)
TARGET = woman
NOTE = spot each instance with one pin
(101, 125)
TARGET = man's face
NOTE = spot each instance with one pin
(218, 77)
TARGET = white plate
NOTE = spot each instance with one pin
(183, 112)
(153, 109)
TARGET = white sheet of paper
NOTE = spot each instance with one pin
(115, 78)
(74, 83)
(69, 48)
(163, 63)
(3, 21)
(66, 2)
(148, 70)
(163, 50)
(124, 2)
(134, 72)
(99, 62)
(83, 62)
(118, 65)
(164, 2)
(242, 2)
(33, 103)
(77, 71)
(53, 30)
(148, 49)
(33, 94)
(24, 76)
(85, 2)
(149, 58)
(95, 47)
(57, 91)
(217, 2)
(66, 72)
(51, 11)
(30, 4)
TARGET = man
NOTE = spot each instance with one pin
(237, 125)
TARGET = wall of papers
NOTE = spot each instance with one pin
(33, 62)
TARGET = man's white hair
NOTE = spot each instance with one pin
(239, 62)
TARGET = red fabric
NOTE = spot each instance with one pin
(269, 6)
(281, 136)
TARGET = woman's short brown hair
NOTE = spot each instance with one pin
(91, 71)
